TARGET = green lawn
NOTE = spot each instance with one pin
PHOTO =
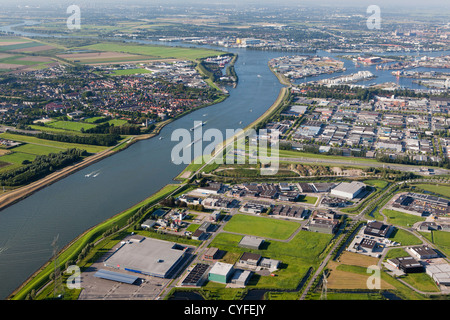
(305, 250)
(405, 238)
(50, 143)
(438, 189)
(15, 159)
(127, 72)
(155, 51)
(401, 219)
(308, 199)
(37, 149)
(71, 125)
(441, 239)
(261, 226)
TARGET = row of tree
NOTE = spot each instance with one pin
(40, 167)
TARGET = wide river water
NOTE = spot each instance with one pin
(72, 205)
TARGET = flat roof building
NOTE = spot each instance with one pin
(241, 277)
(251, 242)
(196, 276)
(422, 252)
(149, 256)
(440, 273)
(348, 190)
(377, 228)
(407, 264)
(221, 272)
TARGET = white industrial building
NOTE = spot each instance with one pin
(348, 190)
(440, 273)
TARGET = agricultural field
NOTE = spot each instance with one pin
(160, 52)
(261, 226)
(102, 57)
(346, 274)
(10, 62)
(24, 45)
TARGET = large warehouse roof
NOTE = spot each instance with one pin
(115, 276)
(351, 187)
(151, 256)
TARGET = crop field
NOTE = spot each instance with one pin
(22, 45)
(262, 227)
(154, 51)
(102, 57)
(15, 61)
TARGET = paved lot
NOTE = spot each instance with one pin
(146, 288)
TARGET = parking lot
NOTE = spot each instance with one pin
(146, 288)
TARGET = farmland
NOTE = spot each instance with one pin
(154, 51)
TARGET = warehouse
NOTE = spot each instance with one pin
(196, 276)
(251, 242)
(422, 252)
(241, 277)
(149, 256)
(407, 264)
(348, 190)
(221, 272)
(440, 273)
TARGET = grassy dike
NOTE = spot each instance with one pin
(41, 278)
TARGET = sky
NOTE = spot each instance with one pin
(405, 3)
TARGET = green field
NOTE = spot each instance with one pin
(50, 143)
(261, 226)
(305, 250)
(154, 51)
(37, 149)
(401, 219)
(127, 72)
(441, 239)
(71, 125)
(443, 190)
(405, 238)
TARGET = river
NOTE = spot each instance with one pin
(72, 205)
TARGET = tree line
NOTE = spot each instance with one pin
(40, 167)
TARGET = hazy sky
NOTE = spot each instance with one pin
(337, 3)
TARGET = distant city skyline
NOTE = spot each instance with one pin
(336, 3)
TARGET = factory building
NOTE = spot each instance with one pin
(348, 190)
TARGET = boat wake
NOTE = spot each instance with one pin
(93, 174)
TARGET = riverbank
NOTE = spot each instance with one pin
(11, 197)
(41, 277)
